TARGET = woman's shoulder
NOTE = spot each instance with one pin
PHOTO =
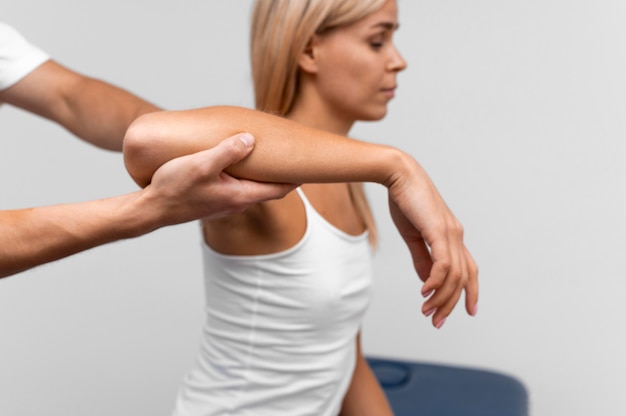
(265, 228)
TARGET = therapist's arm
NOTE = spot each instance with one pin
(183, 189)
(95, 111)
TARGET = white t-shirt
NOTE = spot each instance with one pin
(18, 57)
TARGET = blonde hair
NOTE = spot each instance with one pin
(281, 30)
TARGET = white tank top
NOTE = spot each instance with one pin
(280, 333)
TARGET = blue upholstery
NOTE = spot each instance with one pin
(416, 389)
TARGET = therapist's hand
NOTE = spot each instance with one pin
(195, 186)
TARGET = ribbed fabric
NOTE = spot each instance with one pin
(279, 338)
(18, 57)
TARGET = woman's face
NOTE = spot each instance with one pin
(357, 65)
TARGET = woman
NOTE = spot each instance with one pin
(288, 281)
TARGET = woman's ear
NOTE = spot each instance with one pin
(307, 59)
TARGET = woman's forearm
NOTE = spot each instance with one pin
(285, 151)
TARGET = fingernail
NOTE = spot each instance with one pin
(475, 311)
(247, 139)
(440, 323)
(427, 294)
(429, 312)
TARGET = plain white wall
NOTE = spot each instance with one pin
(514, 108)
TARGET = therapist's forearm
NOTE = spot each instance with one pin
(34, 236)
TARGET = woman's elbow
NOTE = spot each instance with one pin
(138, 147)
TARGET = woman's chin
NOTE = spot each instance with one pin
(374, 115)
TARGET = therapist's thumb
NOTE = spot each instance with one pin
(233, 149)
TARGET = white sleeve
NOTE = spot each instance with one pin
(18, 57)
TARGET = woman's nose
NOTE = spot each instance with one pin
(397, 62)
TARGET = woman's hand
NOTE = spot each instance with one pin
(434, 237)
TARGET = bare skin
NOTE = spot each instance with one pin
(182, 190)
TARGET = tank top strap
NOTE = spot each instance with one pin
(305, 200)
(315, 217)
(310, 211)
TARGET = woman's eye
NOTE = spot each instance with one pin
(376, 44)
(378, 41)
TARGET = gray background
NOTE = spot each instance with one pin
(516, 109)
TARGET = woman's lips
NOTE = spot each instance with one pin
(389, 92)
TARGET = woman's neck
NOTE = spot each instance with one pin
(320, 122)
(316, 115)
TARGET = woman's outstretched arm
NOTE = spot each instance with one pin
(285, 151)
(288, 152)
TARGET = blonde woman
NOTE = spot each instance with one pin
(288, 281)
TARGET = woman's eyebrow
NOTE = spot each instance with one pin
(387, 25)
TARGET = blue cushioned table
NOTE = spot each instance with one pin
(416, 389)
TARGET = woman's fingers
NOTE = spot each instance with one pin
(461, 276)
(434, 237)
(471, 289)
